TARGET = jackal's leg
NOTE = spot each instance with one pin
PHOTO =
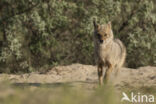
(108, 71)
(117, 71)
(100, 74)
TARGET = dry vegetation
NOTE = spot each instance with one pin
(74, 84)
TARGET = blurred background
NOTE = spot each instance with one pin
(36, 35)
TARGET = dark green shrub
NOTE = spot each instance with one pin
(34, 34)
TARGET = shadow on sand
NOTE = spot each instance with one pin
(53, 85)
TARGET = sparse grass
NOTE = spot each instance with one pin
(63, 95)
(60, 95)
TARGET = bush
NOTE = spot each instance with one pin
(34, 34)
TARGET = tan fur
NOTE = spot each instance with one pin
(109, 52)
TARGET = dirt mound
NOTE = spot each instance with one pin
(78, 74)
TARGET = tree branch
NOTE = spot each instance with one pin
(125, 23)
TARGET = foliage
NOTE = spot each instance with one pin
(34, 34)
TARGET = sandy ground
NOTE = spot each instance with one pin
(84, 76)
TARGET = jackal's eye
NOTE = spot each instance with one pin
(98, 34)
(105, 34)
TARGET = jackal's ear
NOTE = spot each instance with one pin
(109, 25)
(95, 23)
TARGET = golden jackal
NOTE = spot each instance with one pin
(109, 52)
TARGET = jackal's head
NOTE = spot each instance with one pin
(103, 32)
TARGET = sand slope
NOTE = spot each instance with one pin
(86, 75)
